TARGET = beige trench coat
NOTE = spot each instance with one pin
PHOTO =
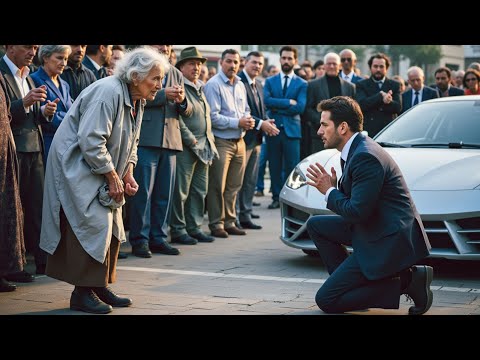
(97, 135)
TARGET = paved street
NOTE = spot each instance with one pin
(241, 275)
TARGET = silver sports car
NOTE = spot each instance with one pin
(437, 146)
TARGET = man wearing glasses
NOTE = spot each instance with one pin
(348, 61)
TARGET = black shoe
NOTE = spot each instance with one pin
(419, 289)
(274, 205)
(84, 299)
(201, 237)
(184, 239)
(122, 255)
(21, 277)
(40, 269)
(250, 225)
(164, 248)
(255, 203)
(254, 216)
(141, 250)
(5, 286)
(109, 297)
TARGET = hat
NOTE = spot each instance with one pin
(190, 53)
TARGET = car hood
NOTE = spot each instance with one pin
(423, 169)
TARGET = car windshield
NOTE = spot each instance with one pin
(453, 124)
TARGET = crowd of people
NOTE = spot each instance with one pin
(97, 139)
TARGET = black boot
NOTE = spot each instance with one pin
(84, 299)
(5, 286)
(419, 289)
(109, 297)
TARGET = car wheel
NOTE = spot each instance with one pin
(311, 252)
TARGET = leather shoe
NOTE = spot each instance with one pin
(255, 203)
(21, 277)
(184, 239)
(201, 237)
(419, 289)
(220, 233)
(109, 297)
(84, 299)
(259, 193)
(235, 231)
(164, 248)
(40, 269)
(250, 225)
(5, 286)
(122, 255)
(141, 250)
(254, 216)
(274, 205)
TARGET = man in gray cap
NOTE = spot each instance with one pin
(193, 162)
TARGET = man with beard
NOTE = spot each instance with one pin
(75, 73)
(285, 99)
(378, 96)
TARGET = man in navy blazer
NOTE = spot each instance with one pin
(443, 78)
(285, 98)
(253, 138)
(376, 216)
(418, 92)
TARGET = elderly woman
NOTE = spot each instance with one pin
(53, 59)
(94, 149)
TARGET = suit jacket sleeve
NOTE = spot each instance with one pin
(274, 104)
(301, 100)
(367, 183)
(366, 102)
(395, 107)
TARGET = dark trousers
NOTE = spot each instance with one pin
(151, 206)
(31, 181)
(347, 289)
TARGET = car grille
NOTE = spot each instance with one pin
(451, 239)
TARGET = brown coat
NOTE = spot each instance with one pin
(12, 249)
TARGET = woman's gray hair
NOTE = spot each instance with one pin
(137, 64)
(48, 50)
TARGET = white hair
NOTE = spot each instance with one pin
(331, 55)
(354, 56)
(137, 63)
(49, 50)
(417, 69)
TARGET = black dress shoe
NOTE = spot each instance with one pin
(274, 205)
(235, 231)
(164, 248)
(419, 289)
(122, 255)
(201, 237)
(184, 239)
(5, 286)
(250, 225)
(141, 250)
(21, 277)
(255, 216)
(84, 299)
(40, 269)
(109, 297)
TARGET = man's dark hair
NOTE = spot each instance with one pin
(118, 47)
(290, 48)
(318, 63)
(93, 49)
(230, 51)
(343, 108)
(254, 53)
(444, 69)
(379, 56)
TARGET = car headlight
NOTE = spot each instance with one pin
(296, 179)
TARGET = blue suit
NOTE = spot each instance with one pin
(378, 218)
(427, 94)
(40, 77)
(284, 148)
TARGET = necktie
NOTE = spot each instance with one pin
(285, 84)
(255, 95)
(346, 78)
(342, 164)
(380, 84)
(415, 101)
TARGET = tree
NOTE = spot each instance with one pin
(420, 55)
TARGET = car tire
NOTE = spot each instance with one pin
(311, 253)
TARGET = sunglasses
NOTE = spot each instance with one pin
(346, 59)
(471, 79)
